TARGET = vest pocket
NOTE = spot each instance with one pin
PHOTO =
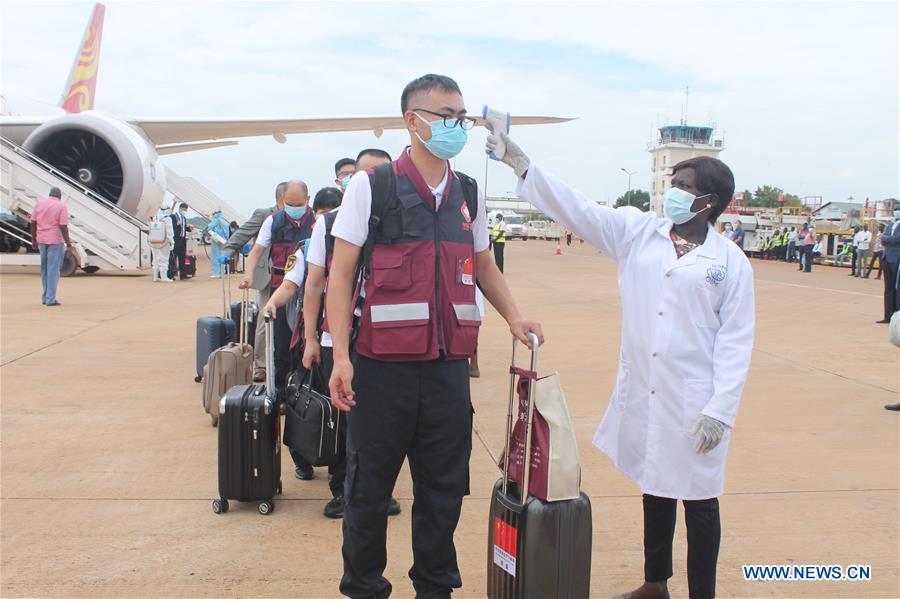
(391, 271)
(464, 336)
(400, 328)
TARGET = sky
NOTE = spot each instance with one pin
(804, 94)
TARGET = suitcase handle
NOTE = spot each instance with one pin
(270, 357)
(526, 472)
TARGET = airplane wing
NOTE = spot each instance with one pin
(169, 130)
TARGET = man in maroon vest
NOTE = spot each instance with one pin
(406, 390)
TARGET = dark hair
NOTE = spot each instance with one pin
(55, 192)
(279, 189)
(182, 205)
(426, 83)
(327, 198)
(711, 175)
(342, 163)
(374, 152)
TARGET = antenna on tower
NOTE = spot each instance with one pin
(686, 94)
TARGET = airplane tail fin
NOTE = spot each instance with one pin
(78, 94)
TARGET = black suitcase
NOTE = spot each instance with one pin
(312, 425)
(250, 443)
(536, 549)
(248, 320)
(213, 332)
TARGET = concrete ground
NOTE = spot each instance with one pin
(109, 463)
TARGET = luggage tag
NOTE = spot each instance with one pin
(465, 269)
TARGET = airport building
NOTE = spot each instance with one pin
(674, 144)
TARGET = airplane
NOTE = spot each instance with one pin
(119, 158)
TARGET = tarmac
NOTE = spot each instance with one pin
(108, 463)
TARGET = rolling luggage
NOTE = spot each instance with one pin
(312, 426)
(250, 441)
(249, 319)
(536, 549)
(230, 365)
(213, 332)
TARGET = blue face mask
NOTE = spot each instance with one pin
(896, 213)
(345, 182)
(295, 212)
(446, 142)
(677, 205)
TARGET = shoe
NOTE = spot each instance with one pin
(53, 304)
(335, 507)
(394, 507)
(631, 595)
(259, 375)
(304, 472)
(168, 281)
(475, 374)
(893, 407)
(883, 321)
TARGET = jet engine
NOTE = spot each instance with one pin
(105, 154)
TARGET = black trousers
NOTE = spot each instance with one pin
(179, 253)
(420, 411)
(808, 257)
(890, 289)
(704, 532)
(498, 254)
(338, 471)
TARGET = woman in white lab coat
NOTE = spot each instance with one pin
(687, 335)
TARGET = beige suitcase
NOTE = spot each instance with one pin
(230, 365)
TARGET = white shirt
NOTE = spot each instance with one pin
(352, 224)
(862, 239)
(317, 255)
(687, 337)
(264, 237)
(298, 271)
(792, 237)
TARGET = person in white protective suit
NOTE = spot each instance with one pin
(687, 335)
(162, 239)
(218, 231)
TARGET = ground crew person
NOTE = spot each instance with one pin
(218, 231)
(406, 390)
(498, 238)
(687, 337)
(161, 249)
(318, 345)
(281, 235)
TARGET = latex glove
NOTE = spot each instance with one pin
(709, 431)
(514, 156)
(246, 249)
(224, 259)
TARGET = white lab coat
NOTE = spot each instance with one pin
(687, 336)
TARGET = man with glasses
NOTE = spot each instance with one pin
(406, 390)
(343, 170)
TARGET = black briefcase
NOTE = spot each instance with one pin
(312, 426)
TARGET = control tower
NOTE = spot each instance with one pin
(674, 144)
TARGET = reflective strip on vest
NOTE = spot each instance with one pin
(467, 312)
(399, 312)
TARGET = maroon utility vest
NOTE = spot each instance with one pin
(420, 283)
(287, 234)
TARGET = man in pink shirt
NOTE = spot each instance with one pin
(50, 234)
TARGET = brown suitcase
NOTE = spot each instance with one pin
(230, 365)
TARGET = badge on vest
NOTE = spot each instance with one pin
(467, 218)
(290, 264)
(466, 270)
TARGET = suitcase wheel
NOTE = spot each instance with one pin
(197, 379)
(220, 506)
(266, 507)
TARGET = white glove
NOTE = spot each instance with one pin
(514, 155)
(710, 433)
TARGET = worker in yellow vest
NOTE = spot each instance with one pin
(498, 237)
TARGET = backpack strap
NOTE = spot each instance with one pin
(470, 193)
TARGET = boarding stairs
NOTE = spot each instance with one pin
(103, 235)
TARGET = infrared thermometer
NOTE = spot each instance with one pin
(496, 121)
